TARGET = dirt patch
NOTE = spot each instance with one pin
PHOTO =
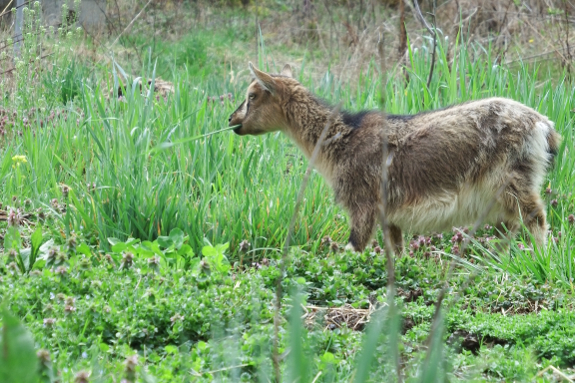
(465, 340)
(337, 317)
(407, 324)
(410, 295)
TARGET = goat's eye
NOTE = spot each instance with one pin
(252, 96)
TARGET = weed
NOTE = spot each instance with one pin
(146, 245)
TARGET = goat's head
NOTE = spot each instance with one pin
(261, 112)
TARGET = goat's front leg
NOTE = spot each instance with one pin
(363, 218)
(396, 239)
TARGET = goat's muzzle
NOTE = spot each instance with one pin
(236, 130)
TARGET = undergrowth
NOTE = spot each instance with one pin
(138, 247)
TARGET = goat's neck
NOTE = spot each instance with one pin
(307, 120)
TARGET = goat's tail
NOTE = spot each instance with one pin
(553, 141)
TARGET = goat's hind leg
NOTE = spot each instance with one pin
(529, 207)
(535, 219)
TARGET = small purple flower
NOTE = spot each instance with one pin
(334, 247)
(13, 218)
(127, 260)
(52, 253)
(421, 241)
(65, 191)
(69, 309)
(244, 245)
(82, 377)
(131, 362)
(325, 241)
(455, 250)
(44, 356)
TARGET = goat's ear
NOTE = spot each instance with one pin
(286, 71)
(264, 79)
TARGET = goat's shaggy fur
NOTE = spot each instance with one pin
(445, 166)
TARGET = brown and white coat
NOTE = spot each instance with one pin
(446, 166)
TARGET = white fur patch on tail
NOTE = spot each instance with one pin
(537, 149)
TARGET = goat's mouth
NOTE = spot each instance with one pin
(237, 130)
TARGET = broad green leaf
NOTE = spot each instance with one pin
(209, 251)
(177, 237)
(153, 246)
(12, 240)
(171, 349)
(165, 242)
(222, 247)
(18, 361)
(113, 241)
(40, 263)
(46, 246)
(186, 250)
(84, 249)
(25, 257)
(36, 240)
(132, 241)
(119, 247)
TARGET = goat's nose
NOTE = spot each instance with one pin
(230, 119)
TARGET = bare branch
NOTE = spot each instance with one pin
(421, 19)
(434, 47)
(320, 142)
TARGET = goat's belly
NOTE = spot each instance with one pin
(443, 212)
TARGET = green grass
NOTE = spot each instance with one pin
(183, 322)
(194, 311)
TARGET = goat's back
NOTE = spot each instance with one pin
(451, 163)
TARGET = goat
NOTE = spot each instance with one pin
(444, 166)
